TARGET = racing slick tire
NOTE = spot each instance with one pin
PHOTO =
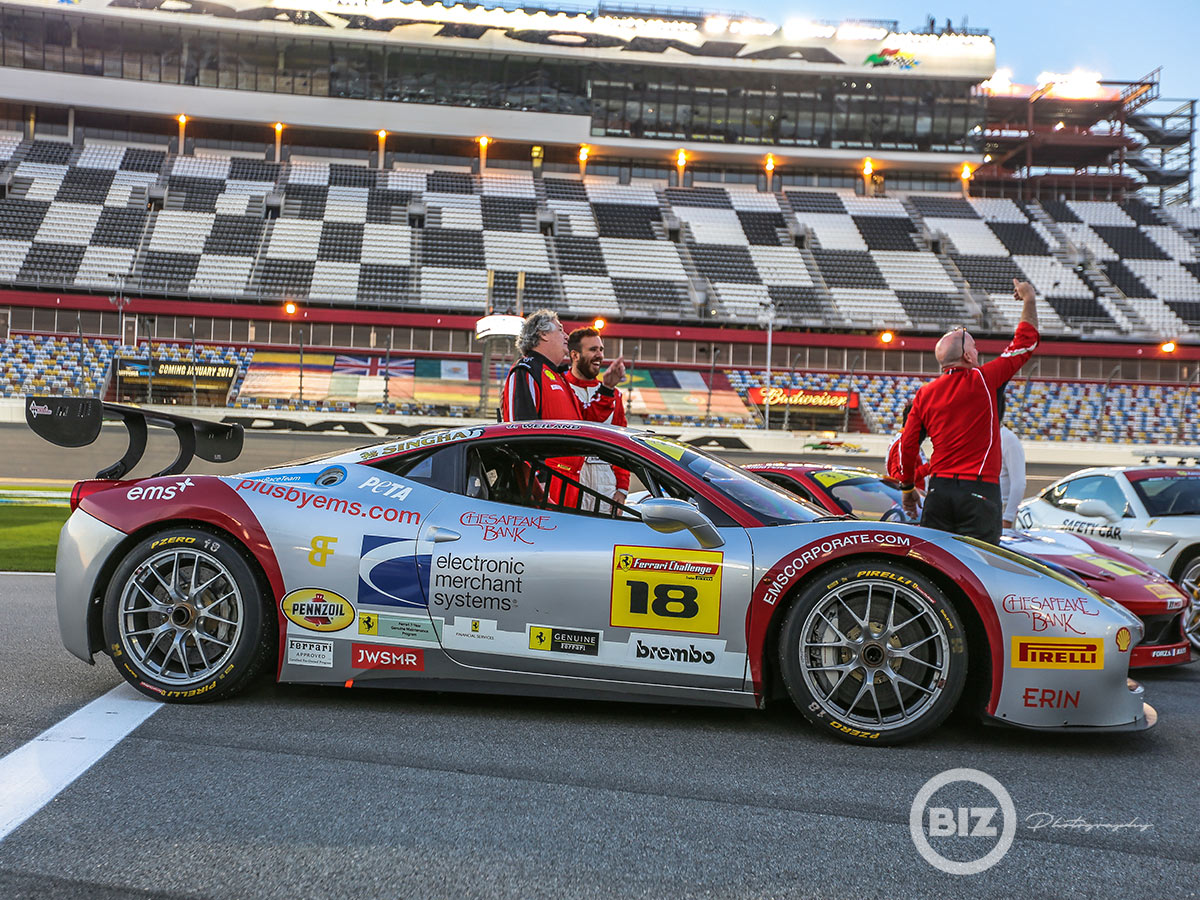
(1189, 580)
(874, 652)
(185, 617)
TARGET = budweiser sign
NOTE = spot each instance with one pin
(799, 398)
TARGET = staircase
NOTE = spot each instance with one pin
(976, 304)
(1110, 296)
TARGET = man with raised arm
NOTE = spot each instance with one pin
(958, 412)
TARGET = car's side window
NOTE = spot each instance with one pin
(788, 484)
(437, 468)
(566, 475)
(1068, 496)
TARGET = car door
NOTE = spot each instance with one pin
(566, 592)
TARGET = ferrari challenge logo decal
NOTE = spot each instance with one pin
(317, 609)
(1057, 653)
(666, 590)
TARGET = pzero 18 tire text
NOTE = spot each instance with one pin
(874, 652)
(185, 619)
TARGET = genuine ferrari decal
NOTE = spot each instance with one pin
(564, 640)
(666, 590)
(318, 609)
(1057, 653)
(389, 572)
(307, 652)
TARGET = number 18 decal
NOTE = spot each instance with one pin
(666, 590)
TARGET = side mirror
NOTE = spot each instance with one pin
(1096, 509)
(667, 515)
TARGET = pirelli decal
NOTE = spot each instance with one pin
(1057, 653)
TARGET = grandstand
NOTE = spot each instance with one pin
(693, 179)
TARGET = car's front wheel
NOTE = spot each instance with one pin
(1189, 580)
(874, 652)
(185, 617)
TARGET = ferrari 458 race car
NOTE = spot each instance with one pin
(1151, 512)
(1109, 572)
(473, 559)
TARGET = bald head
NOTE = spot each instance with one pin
(956, 348)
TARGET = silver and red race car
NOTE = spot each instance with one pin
(474, 559)
(1109, 572)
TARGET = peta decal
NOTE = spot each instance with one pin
(318, 609)
(795, 565)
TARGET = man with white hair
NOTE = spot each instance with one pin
(958, 412)
(536, 388)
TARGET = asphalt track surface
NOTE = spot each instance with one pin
(293, 792)
(296, 792)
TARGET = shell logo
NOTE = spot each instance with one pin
(318, 609)
(1123, 639)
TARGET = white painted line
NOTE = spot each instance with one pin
(34, 774)
(17, 572)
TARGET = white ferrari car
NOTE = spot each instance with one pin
(1152, 512)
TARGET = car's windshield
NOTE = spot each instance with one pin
(1170, 495)
(773, 505)
(864, 495)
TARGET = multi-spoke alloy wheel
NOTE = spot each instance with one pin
(184, 618)
(1190, 582)
(875, 652)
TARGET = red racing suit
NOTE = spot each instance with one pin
(597, 475)
(535, 389)
(892, 466)
(958, 412)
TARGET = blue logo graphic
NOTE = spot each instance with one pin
(391, 574)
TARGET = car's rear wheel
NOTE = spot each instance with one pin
(185, 617)
(874, 652)
(1189, 580)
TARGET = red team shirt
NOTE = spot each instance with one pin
(585, 390)
(958, 412)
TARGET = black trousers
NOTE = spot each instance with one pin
(970, 508)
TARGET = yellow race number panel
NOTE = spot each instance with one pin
(666, 590)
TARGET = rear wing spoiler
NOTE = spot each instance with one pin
(76, 421)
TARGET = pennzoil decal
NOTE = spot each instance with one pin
(318, 609)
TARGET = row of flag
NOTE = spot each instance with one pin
(446, 382)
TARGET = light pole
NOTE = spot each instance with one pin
(769, 308)
(192, 333)
(1104, 401)
(787, 411)
(849, 391)
(120, 301)
(301, 365)
(387, 371)
(79, 355)
(713, 350)
(1183, 401)
(150, 323)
